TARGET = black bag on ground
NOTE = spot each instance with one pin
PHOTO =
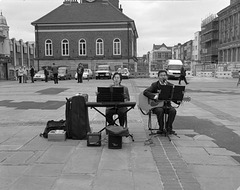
(117, 130)
(77, 120)
(53, 125)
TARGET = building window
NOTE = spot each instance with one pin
(18, 47)
(31, 50)
(65, 47)
(48, 48)
(99, 47)
(82, 47)
(25, 48)
(116, 47)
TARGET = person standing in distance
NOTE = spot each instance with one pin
(46, 74)
(80, 71)
(32, 72)
(238, 78)
(24, 74)
(55, 73)
(20, 74)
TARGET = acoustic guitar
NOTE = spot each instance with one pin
(146, 104)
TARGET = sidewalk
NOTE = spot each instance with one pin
(194, 161)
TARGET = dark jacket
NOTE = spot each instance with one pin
(46, 72)
(32, 72)
(183, 72)
(55, 70)
(80, 69)
(151, 91)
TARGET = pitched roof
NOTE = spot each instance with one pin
(158, 47)
(83, 13)
(155, 47)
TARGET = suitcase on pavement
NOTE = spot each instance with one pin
(77, 120)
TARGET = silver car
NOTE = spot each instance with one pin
(125, 73)
(87, 74)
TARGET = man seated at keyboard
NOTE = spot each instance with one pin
(121, 112)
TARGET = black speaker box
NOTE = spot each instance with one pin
(94, 139)
(114, 142)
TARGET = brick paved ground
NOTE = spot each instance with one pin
(204, 157)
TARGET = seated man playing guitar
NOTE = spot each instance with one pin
(152, 93)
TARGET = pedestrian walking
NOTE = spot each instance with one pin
(80, 71)
(32, 72)
(46, 74)
(55, 73)
(238, 78)
(182, 76)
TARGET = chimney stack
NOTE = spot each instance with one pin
(121, 8)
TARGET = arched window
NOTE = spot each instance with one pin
(99, 47)
(116, 46)
(65, 47)
(82, 47)
(48, 48)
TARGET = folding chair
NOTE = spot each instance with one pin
(146, 109)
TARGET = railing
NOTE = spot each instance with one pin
(139, 75)
(224, 74)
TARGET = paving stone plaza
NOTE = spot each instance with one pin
(205, 157)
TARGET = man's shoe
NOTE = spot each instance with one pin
(160, 131)
(172, 132)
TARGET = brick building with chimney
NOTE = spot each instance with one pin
(92, 32)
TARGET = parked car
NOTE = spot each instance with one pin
(124, 71)
(40, 75)
(86, 74)
(64, 73)
(103, 71)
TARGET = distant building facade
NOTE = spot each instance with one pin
(4, 48)
(13, 53)
(22, 54)
(209, 42)
(176, 51)
(92, 32)
(196, 48)
(158, 57)
(187, 53)
(142, 65)
(229, 37)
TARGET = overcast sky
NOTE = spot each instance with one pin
(157, 21)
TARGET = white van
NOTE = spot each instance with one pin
(174, 68)
(103, 71)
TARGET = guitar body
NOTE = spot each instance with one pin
(146, 104)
